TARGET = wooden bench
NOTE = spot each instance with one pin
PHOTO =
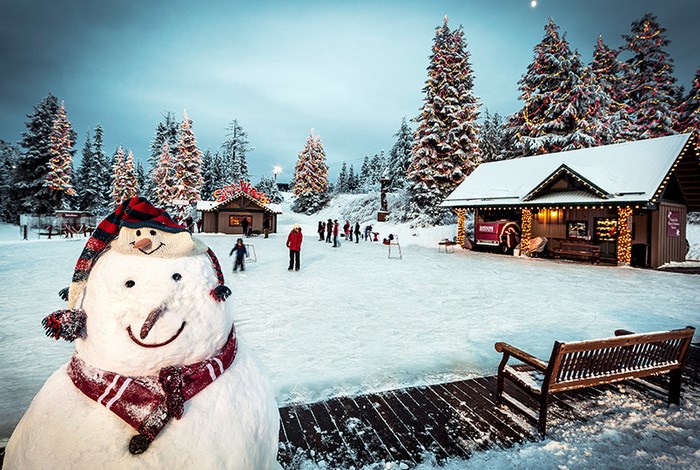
(582, 364)
(577, 250)
(448, 244)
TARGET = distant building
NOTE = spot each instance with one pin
(227, 216)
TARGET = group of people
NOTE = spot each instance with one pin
(330, 230)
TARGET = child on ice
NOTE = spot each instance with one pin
(240, 251)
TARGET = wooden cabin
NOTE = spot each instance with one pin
(629, 199)
(227, 216)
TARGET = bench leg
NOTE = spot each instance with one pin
(499, 389)
(674, 387)
(542, 423)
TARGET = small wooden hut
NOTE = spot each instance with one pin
(227, 215)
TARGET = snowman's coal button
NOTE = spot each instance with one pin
(139, 443)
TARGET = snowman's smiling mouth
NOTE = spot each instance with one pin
(154, 345)
(148, 252)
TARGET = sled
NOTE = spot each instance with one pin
(395, 242)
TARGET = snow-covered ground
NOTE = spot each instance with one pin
(353, 320)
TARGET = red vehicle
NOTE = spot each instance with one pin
(501, 235)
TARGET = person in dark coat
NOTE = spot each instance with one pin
(294, 244)
(368, 233)
(357, 232)
(329, 230)
(266, 225)
(240, 251)
(321, 230)
(244, 226)
(335, 234)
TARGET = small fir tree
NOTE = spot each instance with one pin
(163, 180)
(167, 131)
(268, 186)
(492, 143)
(101, 175)
(9, 203)
(87, 194)
(124, 179)
(341, 185)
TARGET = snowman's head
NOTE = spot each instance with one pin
(145, 313)
(147, 240)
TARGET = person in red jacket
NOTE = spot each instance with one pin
(335, 234)
(294, 244)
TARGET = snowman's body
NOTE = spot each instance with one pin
(232, 423)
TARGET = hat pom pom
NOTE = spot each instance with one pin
(66, 324)
(220, 293)
(63, 293)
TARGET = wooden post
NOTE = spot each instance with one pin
(461, 231)
(624, 239)
(383, 207)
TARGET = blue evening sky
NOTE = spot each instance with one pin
(349, 69)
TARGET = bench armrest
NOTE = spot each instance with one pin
(521, 355)
(623, 332)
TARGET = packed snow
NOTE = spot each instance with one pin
(354, 320)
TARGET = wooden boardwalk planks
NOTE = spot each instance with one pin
(441, 421)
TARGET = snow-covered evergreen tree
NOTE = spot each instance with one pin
(562, 109)
(33, 194)
(86, 193)
(400, 157)
(186, 172)
(162, 179)
(140, 177)
(60, 178)
(364, 175)
(341, 185)
(208, 187)
(689, 110)
(607, 76)
(492, 144)
(9, 203)
(650, 84)
(124, 179)
(446, 142)
(268, 186)
(101, 175)
(353, 182)
(311, 177)
(167, 131)
(235, 150)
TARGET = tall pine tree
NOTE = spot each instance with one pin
(492, 138)
(86, 193)
(400, 157)
(650, 84)
(607, 76)
(124, 179)
(162, 179)
(689, 111)
(167, 131)
(311, 177)
(33, 194)
(341, 185)
(60, 178)
(101, 175)
(561, 110)
(446, 143)
(9, 203)
(235, 150)
(187, 172)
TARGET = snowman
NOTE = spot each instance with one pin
(159, 378)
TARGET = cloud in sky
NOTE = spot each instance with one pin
(351, 70)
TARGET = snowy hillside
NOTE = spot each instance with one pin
(353, 320)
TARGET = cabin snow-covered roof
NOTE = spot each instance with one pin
(208, 206)
(630, 172)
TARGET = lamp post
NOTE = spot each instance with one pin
(276, 171)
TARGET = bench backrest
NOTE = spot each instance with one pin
(586, 363)
(579, 247)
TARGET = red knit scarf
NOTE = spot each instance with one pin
(147, 403)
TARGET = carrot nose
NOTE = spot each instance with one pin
(143, 244)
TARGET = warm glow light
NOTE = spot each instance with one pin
(277, 170)
(533, 3)
(461, 216)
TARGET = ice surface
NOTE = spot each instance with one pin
(353, 320)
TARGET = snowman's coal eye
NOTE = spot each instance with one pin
(177, 276)
(153, 233)
(138, 233)
(129, 283)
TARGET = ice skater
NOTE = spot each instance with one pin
(240, 251)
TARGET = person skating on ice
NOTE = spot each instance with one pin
(240, 251)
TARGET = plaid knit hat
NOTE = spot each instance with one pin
(130, 229)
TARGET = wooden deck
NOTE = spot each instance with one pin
(446, 420)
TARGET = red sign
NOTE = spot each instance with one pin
(673, 224)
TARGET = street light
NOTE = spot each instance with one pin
(276, 171)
